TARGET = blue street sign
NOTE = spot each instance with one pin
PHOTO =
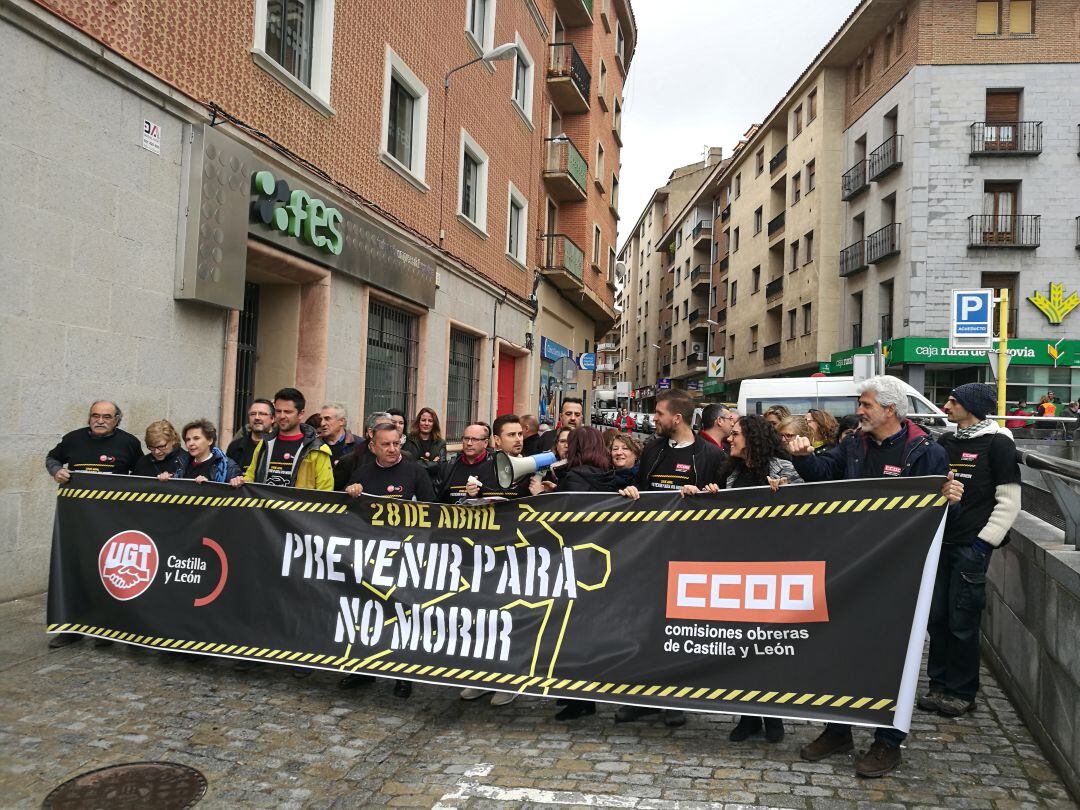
(587, 361)
(664, 383)
(973, 314)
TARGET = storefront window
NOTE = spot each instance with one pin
(392, 350)
(462, 382)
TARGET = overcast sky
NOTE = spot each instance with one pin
(704, 71)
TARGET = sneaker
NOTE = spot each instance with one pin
(472, 693)
(63, 639)
(953, 706)
(833, 740)
(878, 761)
(930, 702)
(356, 679)
(747, 726)
(503, 698)
(628, 714)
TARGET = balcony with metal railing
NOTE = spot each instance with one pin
(771, 353)
(1004, 231)
(779, 160)
(885, 158)
(568, 80)
(565, 170)
(1015, 138)
(563, 261)
(725, 213)
(853, 182)
(699, 278)
(699, 320)
(883, 243)
(774, 289)
(575, 13)
(721, 317)
(853, 258)
(702, 232)
(776, 225)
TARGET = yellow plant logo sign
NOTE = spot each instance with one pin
(1057, 306)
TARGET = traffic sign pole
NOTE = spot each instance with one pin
(1003, 348)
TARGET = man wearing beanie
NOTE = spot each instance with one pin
(983, 457)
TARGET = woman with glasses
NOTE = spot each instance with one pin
(165, 458)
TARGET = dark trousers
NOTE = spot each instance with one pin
(955, 613)
(890, 736)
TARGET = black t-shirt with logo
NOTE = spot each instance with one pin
(83, 451)
(885, 460)
(406, 480)
(674, 469)
(279, 470)
(981, 464)
(453, 487)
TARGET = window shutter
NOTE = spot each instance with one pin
(986, 17)
(1002, 108)
(1020, 17)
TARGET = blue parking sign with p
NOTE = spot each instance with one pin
(973, 314)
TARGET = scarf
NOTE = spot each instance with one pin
(972, 431)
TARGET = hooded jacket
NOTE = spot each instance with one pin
(224, 469)
(707, 461)
(313, 468)
(921, 456)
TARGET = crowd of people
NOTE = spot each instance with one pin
(280, 445)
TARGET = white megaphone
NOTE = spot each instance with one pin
(509, 469)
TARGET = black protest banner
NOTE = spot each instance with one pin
(809, 602)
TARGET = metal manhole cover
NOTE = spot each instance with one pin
(161, 785)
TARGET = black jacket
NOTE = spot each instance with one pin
(921, 456)
(586, 478)
(708, 458)
(173, 463)
(82, 451)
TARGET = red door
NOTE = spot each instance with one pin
(506, 384)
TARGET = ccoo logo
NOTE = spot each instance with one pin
(128, 563)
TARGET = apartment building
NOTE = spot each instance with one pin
(213, 204)
(961, 171)
(643, 332)
(592, 44)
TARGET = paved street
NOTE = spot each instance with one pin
(266, 739)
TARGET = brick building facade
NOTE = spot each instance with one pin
(156, 268)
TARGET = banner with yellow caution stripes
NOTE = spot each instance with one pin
(809, 602)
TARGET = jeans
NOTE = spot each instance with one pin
(890, 736)
(955, 613)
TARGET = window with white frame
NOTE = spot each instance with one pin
(599, 163)
(480, 23)
(620, 45)
(472, 182)
(294, 43)
(517, 225)
(523, 78)
(405, 112)
(596, 246)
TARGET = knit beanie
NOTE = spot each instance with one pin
(978, 399)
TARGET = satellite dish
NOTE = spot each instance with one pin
(620, 272)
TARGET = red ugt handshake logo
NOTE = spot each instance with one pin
(128, 563)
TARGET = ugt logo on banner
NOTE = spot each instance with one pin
(128, 563)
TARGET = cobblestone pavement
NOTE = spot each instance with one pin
(265, 739)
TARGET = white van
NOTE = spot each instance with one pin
(837, 395)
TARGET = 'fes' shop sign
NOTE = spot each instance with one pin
(1060, 353)
(230, 193)
(295, 213)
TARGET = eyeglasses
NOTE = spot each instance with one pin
(159, 447)
(470, 439)
(102, 417)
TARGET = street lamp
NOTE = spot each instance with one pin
(501, 53)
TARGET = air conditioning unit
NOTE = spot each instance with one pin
(695, 348)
